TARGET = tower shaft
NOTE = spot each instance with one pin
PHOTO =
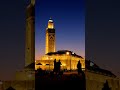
(50, 37)
(30, 35)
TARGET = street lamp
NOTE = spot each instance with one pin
(67, 53)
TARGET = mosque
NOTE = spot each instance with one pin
(68, 59)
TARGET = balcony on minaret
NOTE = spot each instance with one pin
(50, 24)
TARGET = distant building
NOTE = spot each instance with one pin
(68, 60)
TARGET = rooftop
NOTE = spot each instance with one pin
(95, 68)
(60, 52)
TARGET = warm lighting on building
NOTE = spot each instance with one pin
(65, 59)
(73, 53)
(63, 64)
(50, 24)
(68, 53)
(43, 64)
(49, 58)
(50, 44)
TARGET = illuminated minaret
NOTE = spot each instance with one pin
(50, 37)
(30, 34)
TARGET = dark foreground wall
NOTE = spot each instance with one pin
(63, 82)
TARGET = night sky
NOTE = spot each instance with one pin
(12, 37)
(69, 20)
(102, 33)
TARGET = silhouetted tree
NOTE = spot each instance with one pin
(106, 86)
(79, 67)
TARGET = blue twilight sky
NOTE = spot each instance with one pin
(69, 21)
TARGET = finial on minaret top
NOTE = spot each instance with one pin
(50, 20)
(50, 23)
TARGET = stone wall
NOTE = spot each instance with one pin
(95, 81)
(19, 85)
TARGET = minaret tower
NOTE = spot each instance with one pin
(50, 37)
(30, 34)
